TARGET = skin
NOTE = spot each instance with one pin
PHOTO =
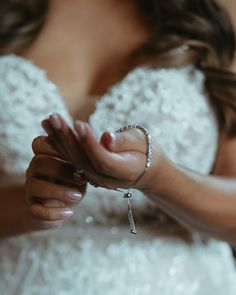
(100, 52)
(205, 204)
(90, 52)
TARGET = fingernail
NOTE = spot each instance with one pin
(112, 139)
(74, 197)
(81, 129)
(108, 140)
(67, 214)
(55, 121)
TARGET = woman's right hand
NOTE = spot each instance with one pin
(51, 187)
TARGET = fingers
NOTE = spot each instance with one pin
(49, 200)
(63, 135)
(51, 134)
(123, 162)
(55, 170)
(68, 142)
(112, 164)
(91, 146)
(51, 188)
(50, 191)
(64, 138)
(43, 166)
(38, 211)
(41, 145)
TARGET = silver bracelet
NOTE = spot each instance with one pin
(128, 194)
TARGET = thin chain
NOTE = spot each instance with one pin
(128, 194)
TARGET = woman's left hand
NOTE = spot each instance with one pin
(115, 162)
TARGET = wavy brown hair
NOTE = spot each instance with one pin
(201, 27)
(20, 23)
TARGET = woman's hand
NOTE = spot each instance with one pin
(202, 203)
(116, 161)
(51, 188)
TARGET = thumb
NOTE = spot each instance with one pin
(129, 140)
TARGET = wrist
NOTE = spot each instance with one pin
(156, 177)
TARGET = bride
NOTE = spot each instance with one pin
(160, 64)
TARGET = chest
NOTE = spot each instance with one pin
(81, 94)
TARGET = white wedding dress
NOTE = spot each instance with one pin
(94, 254)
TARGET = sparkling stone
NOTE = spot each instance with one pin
(127, 195)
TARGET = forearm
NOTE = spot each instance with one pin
(206, 204)
(14, 217)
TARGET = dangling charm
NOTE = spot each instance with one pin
(128, 196)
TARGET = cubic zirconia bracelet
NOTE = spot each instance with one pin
(128, 194)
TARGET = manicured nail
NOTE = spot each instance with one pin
(81, 129)
(108, 140)
(55, 121)
(74, 197)
(67, 214)
(112, 139)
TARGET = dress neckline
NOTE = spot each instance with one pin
(60, 96)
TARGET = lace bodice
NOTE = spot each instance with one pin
(172, 104)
